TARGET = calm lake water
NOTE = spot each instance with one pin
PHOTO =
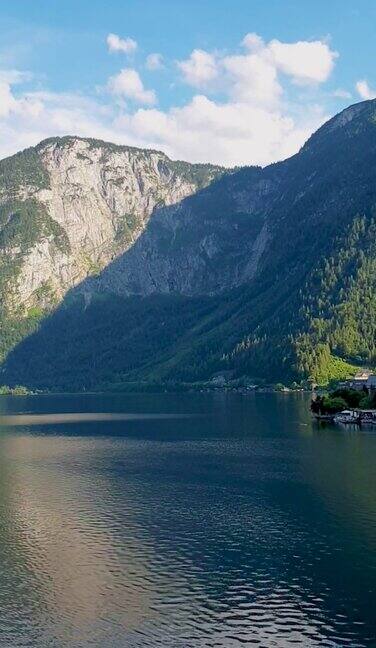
(232, 522)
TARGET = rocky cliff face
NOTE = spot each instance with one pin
(70, 206)
(205, 244)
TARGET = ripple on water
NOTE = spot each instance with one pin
(211, 535)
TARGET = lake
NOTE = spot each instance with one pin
(184, 521)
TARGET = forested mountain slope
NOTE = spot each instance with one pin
(268, 272)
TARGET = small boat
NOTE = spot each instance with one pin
(347, 416)
(368, 417)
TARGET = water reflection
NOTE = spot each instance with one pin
(71, 549)
(241, 527)
(78, 417)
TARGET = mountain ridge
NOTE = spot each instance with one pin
(260, 272)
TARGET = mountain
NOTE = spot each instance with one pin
(265, 272)
(67, 208)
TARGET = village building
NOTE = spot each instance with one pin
(363, 380)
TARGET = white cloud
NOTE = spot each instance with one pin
(14, 76)
(226, 133)
(364, 91)
(7, 100)
(342, 94)
(253, 42)
(304, 61)
(252, 79)
(255, 76)
(230, 132)
(117, 44)
(255, 114)
(37, 115)
(199, 69)
(154, 61)
(128, 84)
(254, 124)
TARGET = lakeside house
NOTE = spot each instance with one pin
(363, 380)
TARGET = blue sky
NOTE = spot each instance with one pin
(212, 91)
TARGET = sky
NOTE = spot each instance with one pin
(232, 82)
